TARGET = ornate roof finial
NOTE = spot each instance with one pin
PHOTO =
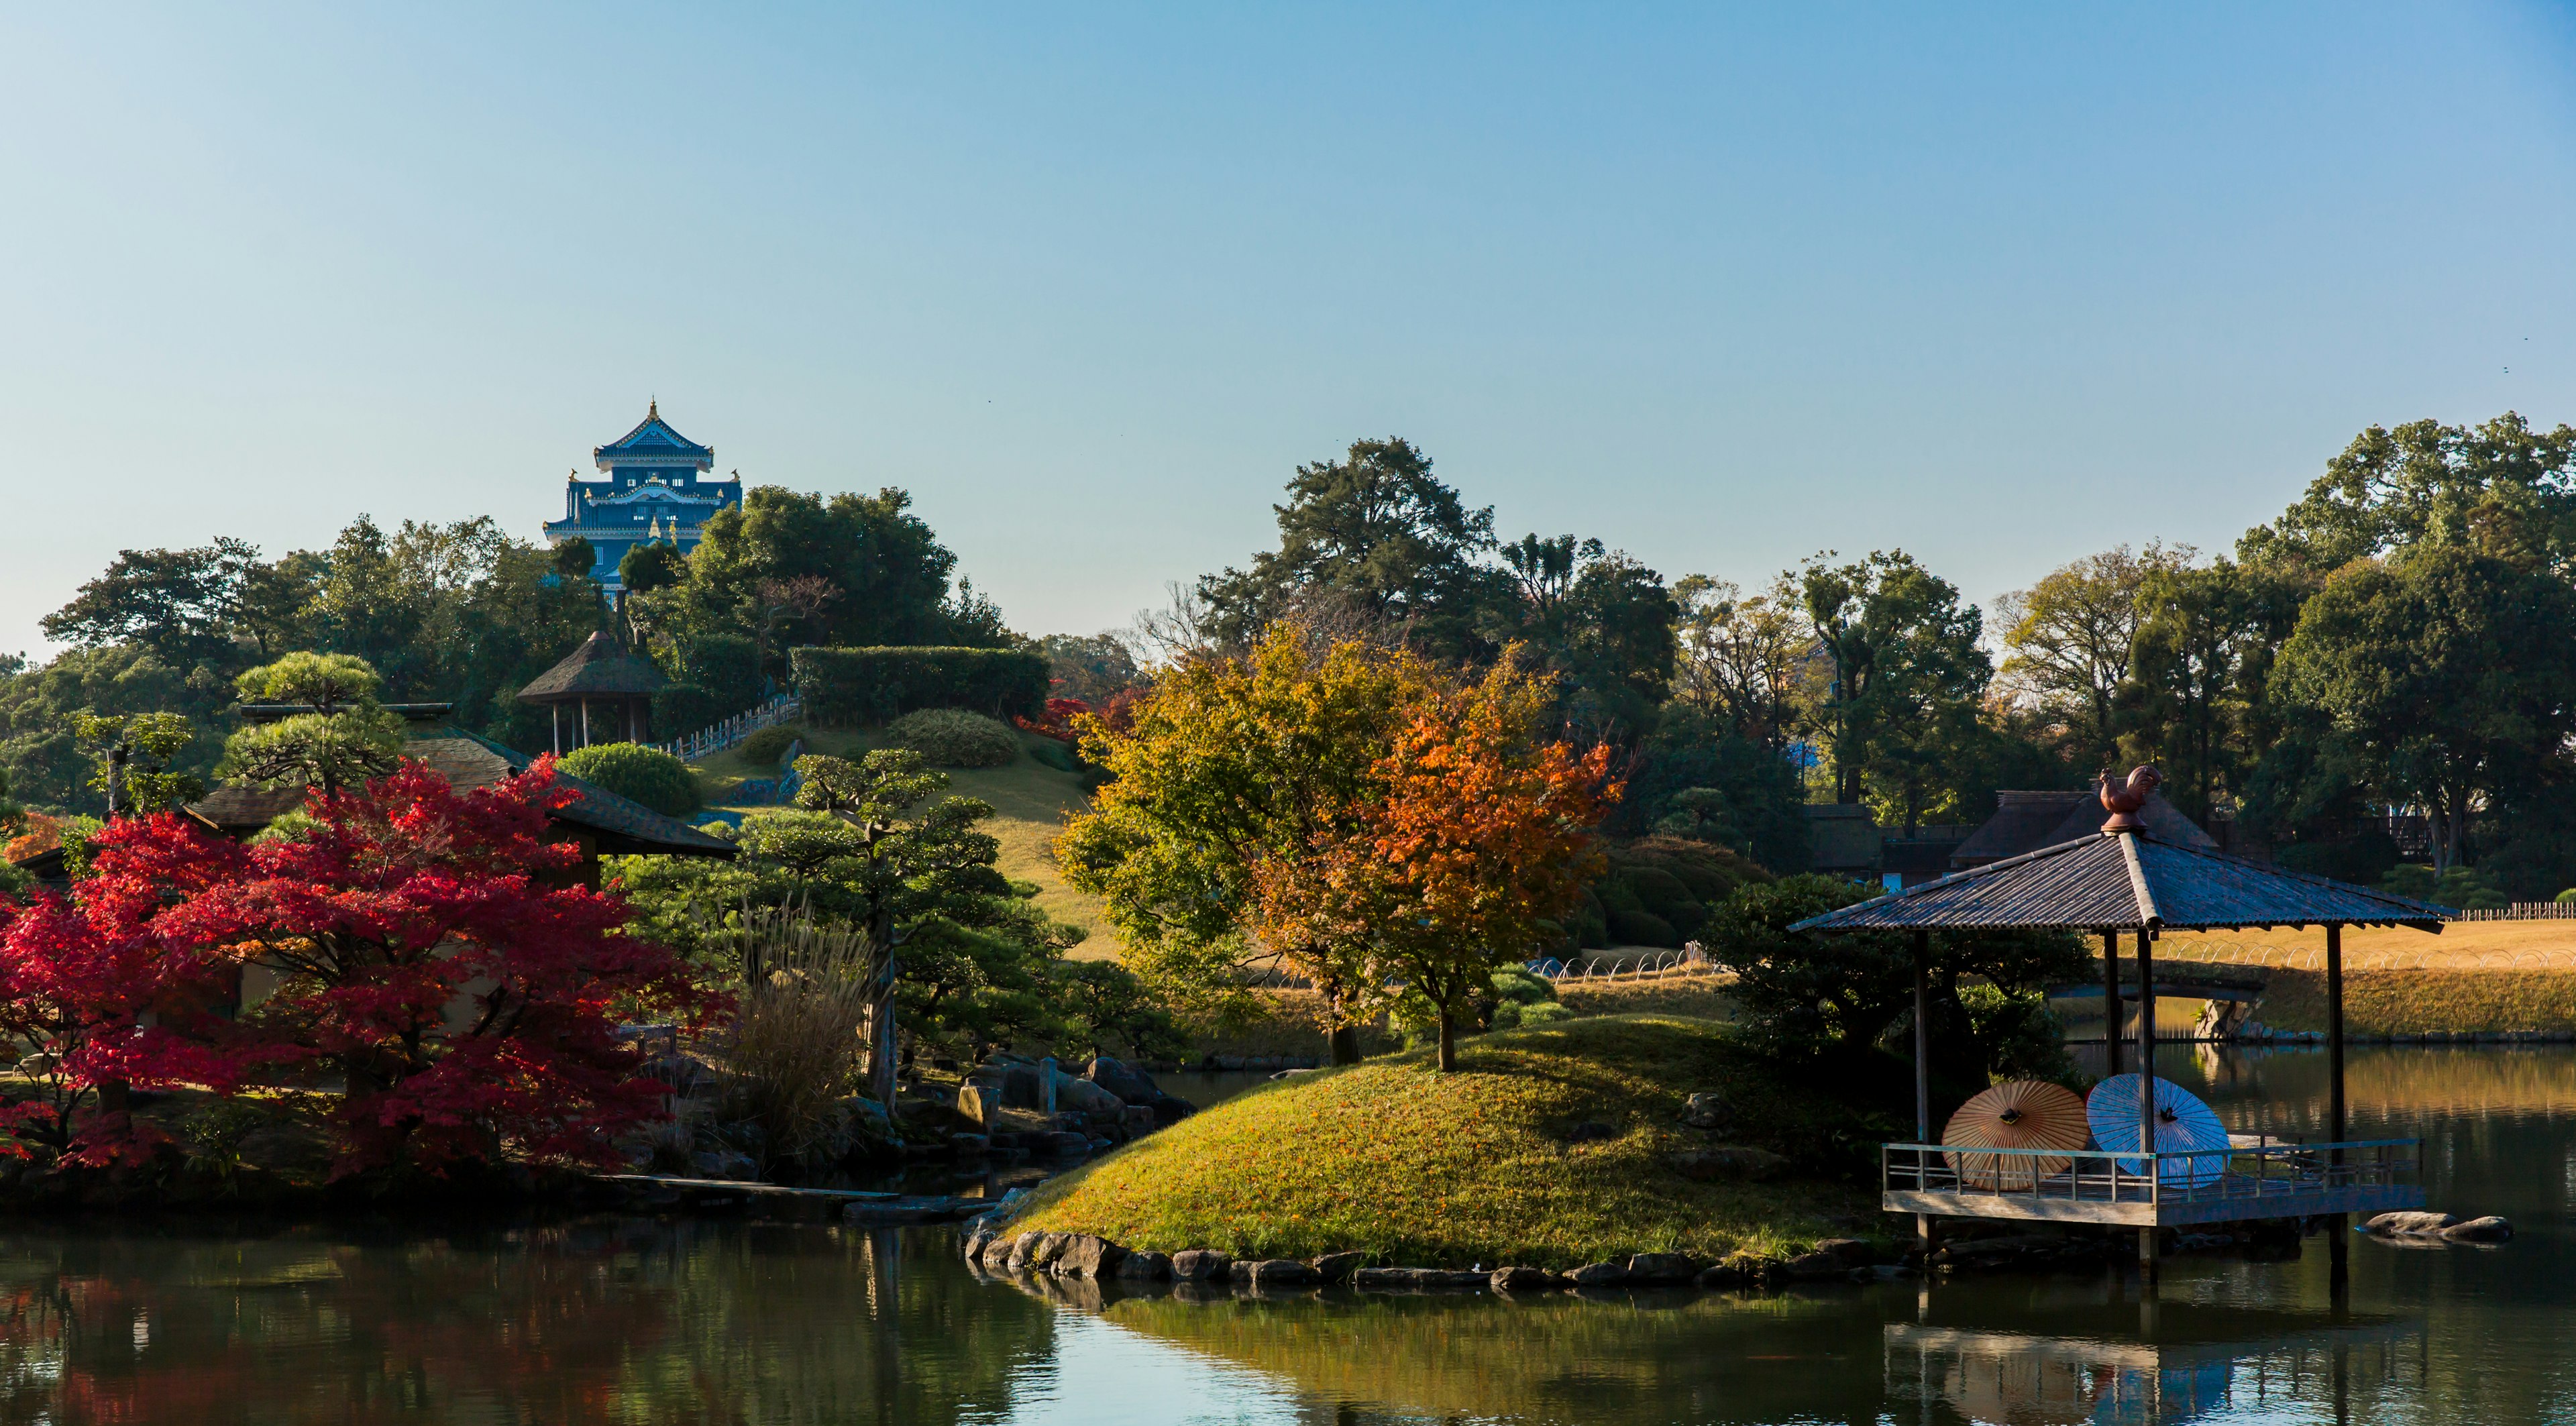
(652, 408)
(2123, 802)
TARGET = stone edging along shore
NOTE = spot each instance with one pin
(1087, 1256)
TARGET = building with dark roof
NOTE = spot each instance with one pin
(657, 489)
(598, 678)
(2025, 821)
(601, 822)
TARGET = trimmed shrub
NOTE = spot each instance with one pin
(1055, 755)
(656, 779)
(953, 737)
(848, 687)
(766, 747)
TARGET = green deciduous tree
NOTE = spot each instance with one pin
(138, 759)
(2503, 486)
(1748, 664)
(2447, 673)
(2070, 641)
(1233, 776)
(1908, 676)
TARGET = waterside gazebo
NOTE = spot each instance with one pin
(2125, 880)
(601, 674)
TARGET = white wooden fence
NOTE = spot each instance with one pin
(782, 709)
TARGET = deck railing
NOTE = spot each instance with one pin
(2244, 1174)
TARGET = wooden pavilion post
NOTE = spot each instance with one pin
(2147, 1093)
(585, 722)
(2339, 1254)
(2110, 1003)
(1922, 1066)
(555, 710)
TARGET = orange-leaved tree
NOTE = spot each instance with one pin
(1480, 839)
(1203, 846)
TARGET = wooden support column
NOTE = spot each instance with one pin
(2339, 1253)
(555, 711)
(1923, 1061)
(2147, 1088)
(2110, 1003)
(585, 722)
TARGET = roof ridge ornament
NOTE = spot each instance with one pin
(2123, 801)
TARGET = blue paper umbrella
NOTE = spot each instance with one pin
(2183, 1124)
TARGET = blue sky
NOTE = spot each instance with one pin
(1720, 286)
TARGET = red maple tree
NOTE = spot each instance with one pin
(97, 998)
(432, 960)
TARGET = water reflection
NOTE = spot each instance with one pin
(630, 1320)
(2222, 1364)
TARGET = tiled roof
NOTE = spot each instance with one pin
(2107, 881)
(468, 761)
(653, 436)
(598, 668)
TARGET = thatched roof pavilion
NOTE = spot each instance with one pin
(2124, 878)
(600, 672)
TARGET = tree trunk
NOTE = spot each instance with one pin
(1448, 1041)
(1342, 1041)
(1343, 1048)
(881, 1059)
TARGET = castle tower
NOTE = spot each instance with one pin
(658, 487)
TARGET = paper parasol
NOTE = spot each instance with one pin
(2021, 1114)
(2183, 1123)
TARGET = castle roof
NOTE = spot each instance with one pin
(653, 437)
(598, 669)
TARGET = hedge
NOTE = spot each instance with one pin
(654, 778)
(846, 687)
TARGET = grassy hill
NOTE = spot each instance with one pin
(1029, 800)
(1477, 1166)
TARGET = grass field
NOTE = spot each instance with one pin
(1421, 1168)
(2461, 945)
(1029, 800)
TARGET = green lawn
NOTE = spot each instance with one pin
(1428, 1169)
(1029, 800)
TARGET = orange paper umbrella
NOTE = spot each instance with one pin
(2023, 1114)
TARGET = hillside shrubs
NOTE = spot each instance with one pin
(845, 687)
(766, 747)
(953, 737)
(647, 775)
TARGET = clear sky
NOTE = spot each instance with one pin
(1722, 286)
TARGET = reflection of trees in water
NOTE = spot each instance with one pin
(590, 1321)
(1656, 1358)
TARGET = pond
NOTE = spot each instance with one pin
(632, 1320)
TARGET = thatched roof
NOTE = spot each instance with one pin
(598, 669)
(2122, 880)
(621, 824)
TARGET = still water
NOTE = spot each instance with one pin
(627, 1320)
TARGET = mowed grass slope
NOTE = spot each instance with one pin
(1030, 801)
(1428, 1169)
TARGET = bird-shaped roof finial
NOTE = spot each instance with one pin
(2123, 801)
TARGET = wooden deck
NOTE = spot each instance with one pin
(2233, 1185)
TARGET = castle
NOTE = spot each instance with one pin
(656, 490)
